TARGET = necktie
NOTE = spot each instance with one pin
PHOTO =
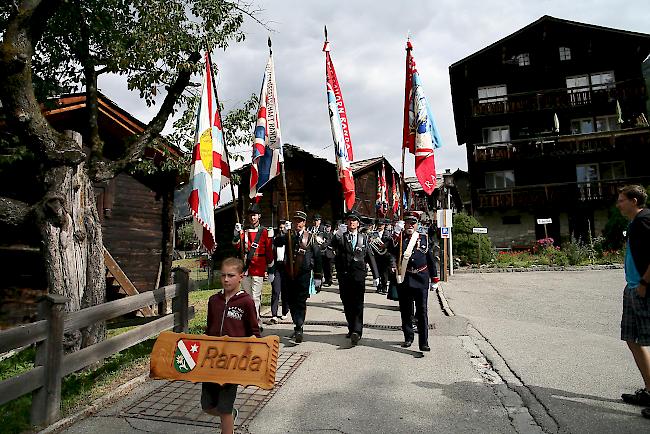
(354, 241)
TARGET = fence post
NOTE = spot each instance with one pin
(181, 302)
(46, 401)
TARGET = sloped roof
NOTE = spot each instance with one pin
(548, 18)
(414, 184)
(357, 166)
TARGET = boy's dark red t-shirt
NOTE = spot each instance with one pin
(236, 318)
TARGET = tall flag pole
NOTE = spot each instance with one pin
(420, 135)
(209, 172)
(278, 139)
(267, 146)
(340, 130)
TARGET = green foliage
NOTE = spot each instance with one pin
(186, 235)
(613, 232)
(466, 243)
(578, 253)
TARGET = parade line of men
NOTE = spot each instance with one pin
(400, 258)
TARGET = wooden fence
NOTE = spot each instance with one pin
(51, 365)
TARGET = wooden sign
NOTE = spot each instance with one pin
(544, 221)
(201, 358)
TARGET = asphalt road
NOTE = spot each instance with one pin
(555, 337)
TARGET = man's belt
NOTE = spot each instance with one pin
(416, 270)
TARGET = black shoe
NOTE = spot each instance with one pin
(640, 397)
(407, 344)
(298, 337)
(355, 338)
(424, 348)
(646, 413)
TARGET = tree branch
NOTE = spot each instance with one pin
(24, 115)
(105, 170)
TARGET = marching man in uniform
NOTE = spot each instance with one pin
(257, 254)
(353, 251)
(306, 259)
(416, 270)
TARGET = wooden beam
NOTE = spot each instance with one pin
(123, 280)
(101, 312)
(23, 335)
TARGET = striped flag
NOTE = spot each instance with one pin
(340, 130)
(420, 135)
(267, 146)
(209, 172)
(382, 192)
(395, 196)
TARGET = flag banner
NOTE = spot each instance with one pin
(223, 360)
(267, 145)
(395, 196)
(209, 172)
(382, 192)
(340, 130)
(420, 135)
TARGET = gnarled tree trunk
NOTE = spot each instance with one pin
(73, 248)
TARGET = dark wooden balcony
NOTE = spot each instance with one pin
(558, 146)
(564, 195)
(557, 99)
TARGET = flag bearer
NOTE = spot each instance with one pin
(257, 254)
(306, 263)
(416, 271)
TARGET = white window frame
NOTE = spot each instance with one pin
(504, 138)
(496, 93)
(565, 53)
(611, 122)
(504, 175)
(523, 59)
(592, 166)
(580, 121)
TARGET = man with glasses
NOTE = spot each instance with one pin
(635, 323)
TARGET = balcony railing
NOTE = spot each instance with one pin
(559, 194)
(557, 146)
(556, 99)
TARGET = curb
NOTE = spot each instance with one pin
(96, 405)
(539, 268)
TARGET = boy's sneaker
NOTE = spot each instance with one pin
(640, 397)
(273, 320)
(283, 317)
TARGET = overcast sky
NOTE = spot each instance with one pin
(367, 47)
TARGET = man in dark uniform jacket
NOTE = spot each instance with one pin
(353, 251)
(327, 252)
(381, 239)
(416, 269)
(306, 258)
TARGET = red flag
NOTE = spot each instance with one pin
(340, 130)
(420, 135)
(395, 196)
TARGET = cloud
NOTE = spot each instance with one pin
(367, 41)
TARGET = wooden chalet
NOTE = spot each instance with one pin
(366, 174)
(555, 119)
(136, 211)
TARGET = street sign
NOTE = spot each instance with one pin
(444, 218)
(479, 230)
(444, 232)
(544, 221)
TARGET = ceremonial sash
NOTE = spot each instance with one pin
(407, 255)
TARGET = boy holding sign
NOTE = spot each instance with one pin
(231, 312)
